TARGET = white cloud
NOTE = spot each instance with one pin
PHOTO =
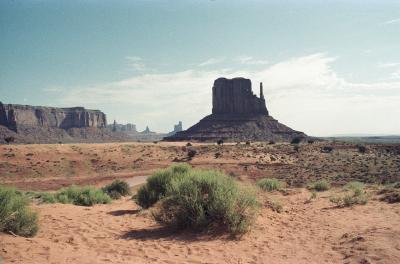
(392, 21)
(249, 60)
(304, 92)
(211, 61)
(136, 63)
(388, 64)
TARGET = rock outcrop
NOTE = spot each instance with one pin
(38, 124)
(235, 97)
(15, 116)
(237, 115)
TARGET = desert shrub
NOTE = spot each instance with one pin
(391, 197)
(390, 194)
(157, 184)
(85, 196)
(357, 195)
(9, 139)
(15, 216)
(188, 144)
(191, 152)
(270, 185)
(271, 142)
(206, 199)
(275, 205)
(310, 141)
(117, 189)
(320, 185)
(353, 185)
(296, 148)
(361, 148)
(295, 140)
(248, 143)
(327, 149)
(43, 197)
(220, 142)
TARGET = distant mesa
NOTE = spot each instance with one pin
(116, 127)
(237, 115)
(39, 124)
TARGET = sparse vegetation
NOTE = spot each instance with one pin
(296, 140)
(268, 184)
(206, 199)
(191, 152)
(327, 149)
(220, 142)
(117, 189)
(391, 193)
(85, 196)
(15, 215)
(355, 195)
(275, 205)
(353, 185)
(361, 148)
(157, 184)
(320, 185)
(9, 139)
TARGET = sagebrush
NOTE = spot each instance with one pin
(15, 215)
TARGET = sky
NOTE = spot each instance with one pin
(327, 67)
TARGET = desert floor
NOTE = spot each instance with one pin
(305, 232)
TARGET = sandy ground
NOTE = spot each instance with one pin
(120, 232)
(50, 167)
(313, 232)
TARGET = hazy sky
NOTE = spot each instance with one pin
(328, 67)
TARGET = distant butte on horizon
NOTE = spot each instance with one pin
(237, 115)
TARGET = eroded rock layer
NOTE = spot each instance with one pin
(38, 124)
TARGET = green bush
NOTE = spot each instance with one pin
(157, 184)
(204, 199)
(117, 189)
(15, 216)
(270, 185)
(86, 196)
(320, 186)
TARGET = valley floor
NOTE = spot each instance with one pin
(314, 232)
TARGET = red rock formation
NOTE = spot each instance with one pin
(237, 115)
(14, 116)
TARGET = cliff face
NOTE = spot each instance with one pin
(235, 97)
(15, 116)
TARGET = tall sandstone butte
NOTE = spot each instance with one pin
(237, 115)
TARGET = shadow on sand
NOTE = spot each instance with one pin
(123, 212)
(160, 232)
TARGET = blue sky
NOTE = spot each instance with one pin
(328, 67)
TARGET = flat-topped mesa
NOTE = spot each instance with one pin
(235, 97)
(14, 116)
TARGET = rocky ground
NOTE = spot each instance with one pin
(306, 231)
